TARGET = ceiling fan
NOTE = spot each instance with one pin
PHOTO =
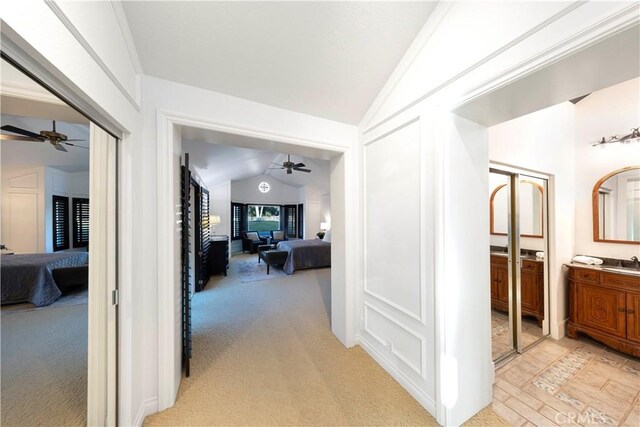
(54, 138)
(290, 166)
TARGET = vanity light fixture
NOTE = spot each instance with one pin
(634, 136)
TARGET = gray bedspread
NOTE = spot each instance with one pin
(27, 277)
(303, 254)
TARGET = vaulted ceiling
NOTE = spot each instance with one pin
(328, 59)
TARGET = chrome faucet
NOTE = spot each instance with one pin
(636, 262)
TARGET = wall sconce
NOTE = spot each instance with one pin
(213, 221)
(324, 226)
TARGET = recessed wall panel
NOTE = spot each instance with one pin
(392, 219)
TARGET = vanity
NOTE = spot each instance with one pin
(604, 300)
(604, 303)
(531, 285)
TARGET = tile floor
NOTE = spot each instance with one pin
(569, 382)
(500, 343)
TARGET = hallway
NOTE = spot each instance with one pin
(264, 354)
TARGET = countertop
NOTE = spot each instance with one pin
(527, 257)
(618, 270)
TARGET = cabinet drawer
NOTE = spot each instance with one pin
(585, 275)
(532, 266)
(499, 260)
(620, 280)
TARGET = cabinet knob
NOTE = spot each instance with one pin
(630, 310)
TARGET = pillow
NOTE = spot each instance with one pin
(327, 236)
(253, 235)
(278, 235)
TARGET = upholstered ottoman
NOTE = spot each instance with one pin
(273, 257)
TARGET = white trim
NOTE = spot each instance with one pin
(433, 22)
(608, 27)
(55, 8)
(425, 400)
(22, 91)
(167, 389)
(420, 370)
(147, 407)
(125, 30)
(478, 64)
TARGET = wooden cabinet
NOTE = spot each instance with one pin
(219, 253)
(605, 306)
(531, 286)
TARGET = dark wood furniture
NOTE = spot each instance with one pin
(219, 254)
(251, 245)
(531, 286)
(272, 257)
(606, 306)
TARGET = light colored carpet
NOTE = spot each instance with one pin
(264, 355)
(251, 271)
(44, 366)
(77, 297)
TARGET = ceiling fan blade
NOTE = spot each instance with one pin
(302, 170)
(299, 165)
(24, 132)
(59, 147)
(18, 138)
(74, 145)
(78, 140)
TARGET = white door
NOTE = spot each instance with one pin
(101, 390)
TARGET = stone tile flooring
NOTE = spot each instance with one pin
(569, 382)
(500, 343)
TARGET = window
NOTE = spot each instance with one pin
(263, 217)
(80, 222)
(60, 223)
(301, 221)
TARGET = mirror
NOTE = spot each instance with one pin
(616, 207)
(531, 205)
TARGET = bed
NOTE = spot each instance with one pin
(313, 253)
(29, 278)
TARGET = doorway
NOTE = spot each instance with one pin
(518, 262)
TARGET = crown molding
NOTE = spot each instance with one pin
(23, 91)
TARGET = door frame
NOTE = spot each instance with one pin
(343, 248)
(103, 349)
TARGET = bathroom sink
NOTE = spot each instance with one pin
(623, 270)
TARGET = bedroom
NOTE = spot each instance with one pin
(45, 259)
(243, 223)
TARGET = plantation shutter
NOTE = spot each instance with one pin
(290, 220)
(239, 220)
(205, 240)
(60, 223)
(80, 222)
(300, 221)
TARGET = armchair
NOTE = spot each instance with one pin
(278, 236)
(251, 240)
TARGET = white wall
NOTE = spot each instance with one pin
(543, 142)
(611, 111)
(246, 191)
(197, 107)
(313, 214)
(466, 50)
(90, 54)
(27, 205)
(220, 204)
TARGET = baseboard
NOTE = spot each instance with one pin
(422, 398)
(560, 329)
(147, 407)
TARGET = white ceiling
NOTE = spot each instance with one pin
(27, 105)
(216, 164)
(327, 59)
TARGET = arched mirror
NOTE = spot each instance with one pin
(616, 207)
(531, 205)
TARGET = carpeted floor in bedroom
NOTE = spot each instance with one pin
(264, 354)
